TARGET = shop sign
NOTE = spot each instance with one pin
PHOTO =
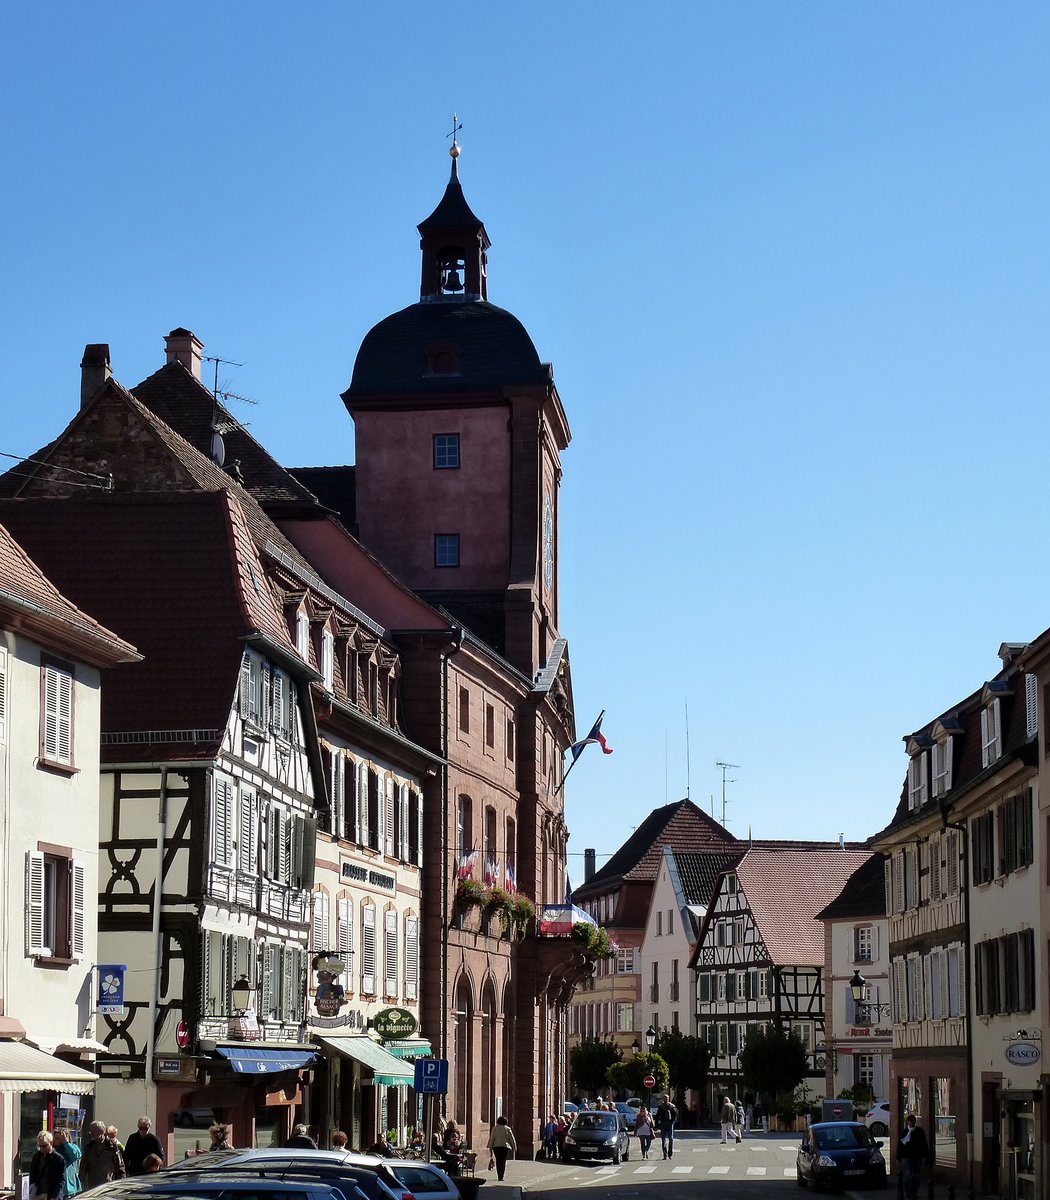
(329, 993)
(110, 1000)
(395, 1023)
(1023, 1054)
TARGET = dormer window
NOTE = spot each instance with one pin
(991, 734)
(917, 770)
(328, 659)
(302, 635)
(941, 733)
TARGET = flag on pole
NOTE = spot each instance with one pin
(491, 872)
(466, 864)
(512, 883)
(594, 738)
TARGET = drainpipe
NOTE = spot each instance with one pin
(967, 955)
(154, 1002)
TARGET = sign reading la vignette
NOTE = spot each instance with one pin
(395, 1023)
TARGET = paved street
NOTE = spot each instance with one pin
(698, 1157)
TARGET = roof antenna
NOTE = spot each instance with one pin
(687, 747)
(217, 449)
(726, 766)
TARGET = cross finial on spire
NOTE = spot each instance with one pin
(457, 125)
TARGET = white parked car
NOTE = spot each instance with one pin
(878, 1118)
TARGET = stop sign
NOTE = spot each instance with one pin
(837, 1111)
(182, 1035)
(649, 1082)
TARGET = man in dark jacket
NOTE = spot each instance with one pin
(301, 1139)
(666, 1120)
(101, 1161)
(912, 1151)
(140, 1144)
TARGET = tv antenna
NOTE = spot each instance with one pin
(724, 767)
(217, 449)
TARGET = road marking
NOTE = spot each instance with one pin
(789, 1172)
(718, 1170)
(760, 1149)
(756, 1170)
(682, 1171)
(645, 1170)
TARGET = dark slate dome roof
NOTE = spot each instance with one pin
(493, 346)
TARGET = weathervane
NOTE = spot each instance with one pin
(457, 125)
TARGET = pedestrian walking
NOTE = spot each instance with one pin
(727, 1119)
(666, 1120)
(47, 1171)
(301, 1139)
(550, 1138)
(100, 1160)
(140, 1144)
(71, 1154)
(643, 1127)
(502, 1146)
(738, 1127)
(913, 1150)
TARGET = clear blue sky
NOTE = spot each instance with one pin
(789, 261)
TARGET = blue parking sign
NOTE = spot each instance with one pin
(432, 1076)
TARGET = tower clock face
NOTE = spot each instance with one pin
(548, 543)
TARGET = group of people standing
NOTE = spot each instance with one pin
(61, 1169)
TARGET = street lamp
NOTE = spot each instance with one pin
(636, 1047)
(856, 986)
(241, 994)
(650, 1038)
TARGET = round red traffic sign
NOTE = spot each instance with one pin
(182, 1035)
(649, 1082)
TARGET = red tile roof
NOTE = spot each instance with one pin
(174, 573)
(26, 591)
(786, 889)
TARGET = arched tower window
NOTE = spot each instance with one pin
(453, 265)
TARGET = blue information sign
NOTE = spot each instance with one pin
(432, 1076)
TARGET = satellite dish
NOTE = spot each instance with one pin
(218, 449)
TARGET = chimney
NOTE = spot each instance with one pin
(588, 865)
(181, 346)
(94, 370)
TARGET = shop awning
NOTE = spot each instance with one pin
(385, 1068)
(260, 1060)
(26, 1069)
(409, 1048)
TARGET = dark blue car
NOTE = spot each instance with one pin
(840, 1154)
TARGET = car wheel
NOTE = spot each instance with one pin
(800, 1178)
(616, 1158)
(880, 1182)
(878, 1129)
(627, 1155)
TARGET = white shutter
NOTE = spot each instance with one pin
(316, 922)
(388, 818)
(368, 950)
(248, 831)
(3, 695)
(284, 848)
(419, 840)
(390, 953)
(411, 957)
(338, 797)
(222, 821)
(246, 685)
(345, 933)
(402, 851)
(874, 943)
(58, 715)
(35, 904)
(278, 711)
(78, 907)
(1031, 704)
(266, 984)
(362, 804)
(935, 868)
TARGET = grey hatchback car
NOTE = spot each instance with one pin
(594, 1135)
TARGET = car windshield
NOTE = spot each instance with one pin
(595, 1121)
(841, 1137)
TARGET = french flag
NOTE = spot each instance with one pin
(466, 864)
(594, 738)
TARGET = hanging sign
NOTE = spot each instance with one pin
(329, 993)
(110, 988)
(1023, 1054)
(395, 1023)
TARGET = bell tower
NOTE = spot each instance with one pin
(459, 431)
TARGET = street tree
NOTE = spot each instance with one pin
(629, 1077)
(687, 1058)
(589, 1062)
(773, 1062)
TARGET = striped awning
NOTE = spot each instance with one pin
(409, 1048)
(385, 1068)
(26, 1069)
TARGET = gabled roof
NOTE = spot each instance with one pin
(786, 889)
(862, 896)
(179, 575)
(30, 600)
(681, 825)
(699, 873)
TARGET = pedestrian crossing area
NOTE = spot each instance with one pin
(712, 1159)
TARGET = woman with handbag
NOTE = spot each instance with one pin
(502, 1145)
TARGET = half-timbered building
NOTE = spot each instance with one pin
(52, 656)
(759, 957)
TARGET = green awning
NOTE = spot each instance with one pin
(409, 1048)
(385, 1068)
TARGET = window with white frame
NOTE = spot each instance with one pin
(624, 1017)
(252, 705)
(368, 950)
(302, 635)
(863, 943)
(390, 953)
(55, 905)
(328, 659)
(942, 766)
(917, 771)
(320, 923)
(991, 734)
(625, 960)
(56, 714)
(411, 957)
(864, 1070)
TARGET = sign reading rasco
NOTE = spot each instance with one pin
(1023, 1054)
(395, 1023)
